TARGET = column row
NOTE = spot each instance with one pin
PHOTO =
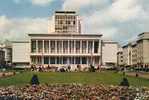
(64, 60)
(65, 46)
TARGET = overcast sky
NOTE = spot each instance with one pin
(119, 20)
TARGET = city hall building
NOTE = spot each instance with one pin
(65, 49)
(66, 46)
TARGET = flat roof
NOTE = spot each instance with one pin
(143, 33)
(20, 41)
(109, 41)
(66, 12)
(66, 34)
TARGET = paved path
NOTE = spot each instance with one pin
(141, 74)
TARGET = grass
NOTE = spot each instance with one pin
(107, 78)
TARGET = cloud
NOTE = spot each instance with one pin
(17, 29)
(41, 2)
(81, 4)
(122, 20)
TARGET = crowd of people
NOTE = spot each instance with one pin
(68, 68)
(73, 92)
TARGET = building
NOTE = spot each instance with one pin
(127, 54)
(143, 49)
(21, 53)
(67, 46)
(134, 54)
(137, 53)
(109, 53)
(65, 49)
(2, 57)
(67, 22)
(6, 48)
(8, 54)
(120, 60)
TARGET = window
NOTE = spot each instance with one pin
(65, 46)
(74, 22)
(84, 60)
(40, 46)
(52, 46)
(77, 60)
(64, 60)
(46, 46)
(90, 47)
(96, 45)
(46, 60)
(77, 46)
(83, 46)
(33, 46)
(52, 60)
(39, 60)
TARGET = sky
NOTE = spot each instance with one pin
(118, 20)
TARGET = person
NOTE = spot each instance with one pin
(69, 68)
(137, 75)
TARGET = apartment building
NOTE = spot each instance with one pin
(127, 54)
(120, 60)
(143, 49)
(137, 53)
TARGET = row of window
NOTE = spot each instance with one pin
(66, 22)
(60, 60)
(65, 17)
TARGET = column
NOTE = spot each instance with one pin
(74, 60)
(99, 47)
(80, 46)
(36, 46)
(99, 52)
(49, 46)
(42, 59)
(80, 60)
(74, 46)
(55, 60)
(43, 46)
(49, 61)
(87, 46)
(87, 60)
(62, 60)
(93, 47)
(56, 46)
(68, 47)
(62, 48)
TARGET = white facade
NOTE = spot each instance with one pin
(65, 49)
(109, 53)
(21, 54)
(66, 46)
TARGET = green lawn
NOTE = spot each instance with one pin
(107, 78)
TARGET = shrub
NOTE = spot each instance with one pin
(92, 68)
(124, 82)
(34, 80)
